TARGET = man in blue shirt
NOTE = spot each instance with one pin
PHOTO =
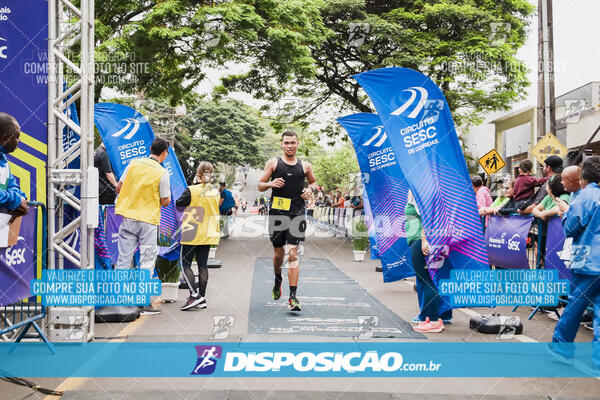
(581, 221)
(226, 205)
(12, 199)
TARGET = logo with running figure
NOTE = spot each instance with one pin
(366, 326)
(415, 92)
(207, 359)
(222, 326)
(132, 124)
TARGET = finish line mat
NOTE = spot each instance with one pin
(333, 304)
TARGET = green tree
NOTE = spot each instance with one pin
(301, 48)
(467, 47)
(162, 47)
(227, 132)
(334, 170)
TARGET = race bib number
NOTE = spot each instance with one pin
(281, 203)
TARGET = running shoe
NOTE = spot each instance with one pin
(294, 304)
(429, 327)
(416, 321)
(149, 310)
(553, 316)
(202, 304)
(192, 302)
(277, 290)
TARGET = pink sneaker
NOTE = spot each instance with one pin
(430, 327)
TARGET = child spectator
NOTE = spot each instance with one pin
(524, 188)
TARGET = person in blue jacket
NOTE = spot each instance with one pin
(226, 207)
(12, 199)
(582, 223)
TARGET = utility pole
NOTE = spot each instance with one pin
(546, 112)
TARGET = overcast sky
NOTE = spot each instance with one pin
(576, 55)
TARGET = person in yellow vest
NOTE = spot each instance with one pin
(199, 230)
(143, 188)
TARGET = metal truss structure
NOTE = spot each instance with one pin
(71, 79)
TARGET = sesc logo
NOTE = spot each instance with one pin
(422, 93)
(207, 359)
(513, 242)
(134, 129)
(378, 131)
(15, 256)
(3, 48)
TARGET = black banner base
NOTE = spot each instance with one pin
(494, 324)
(116, 314)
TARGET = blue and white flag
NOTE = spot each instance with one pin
(386, 189)
(127, 135)
(419, 126)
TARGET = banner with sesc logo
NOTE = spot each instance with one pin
(386, 190)
(506, 240)
(127, 135)
(18, 262)
(419, 126)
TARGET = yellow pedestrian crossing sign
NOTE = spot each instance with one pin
(492, 162)
(549, 145)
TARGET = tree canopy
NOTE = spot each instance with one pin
(226, 132)
(309, 49)
(334, 170)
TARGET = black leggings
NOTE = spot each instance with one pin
(187, 256)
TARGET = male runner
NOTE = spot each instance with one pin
(287, 221)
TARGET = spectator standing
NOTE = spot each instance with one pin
(143, 188)
(107, 183)
(482, 193)
(501, 200)
(357, 201)
(429, 319)
(548, 207)
(553, 166)
(12, 198)
(226, 208)
(582, 223)
(571, 182)
(199, 230)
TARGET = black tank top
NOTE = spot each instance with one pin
(293, 175)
